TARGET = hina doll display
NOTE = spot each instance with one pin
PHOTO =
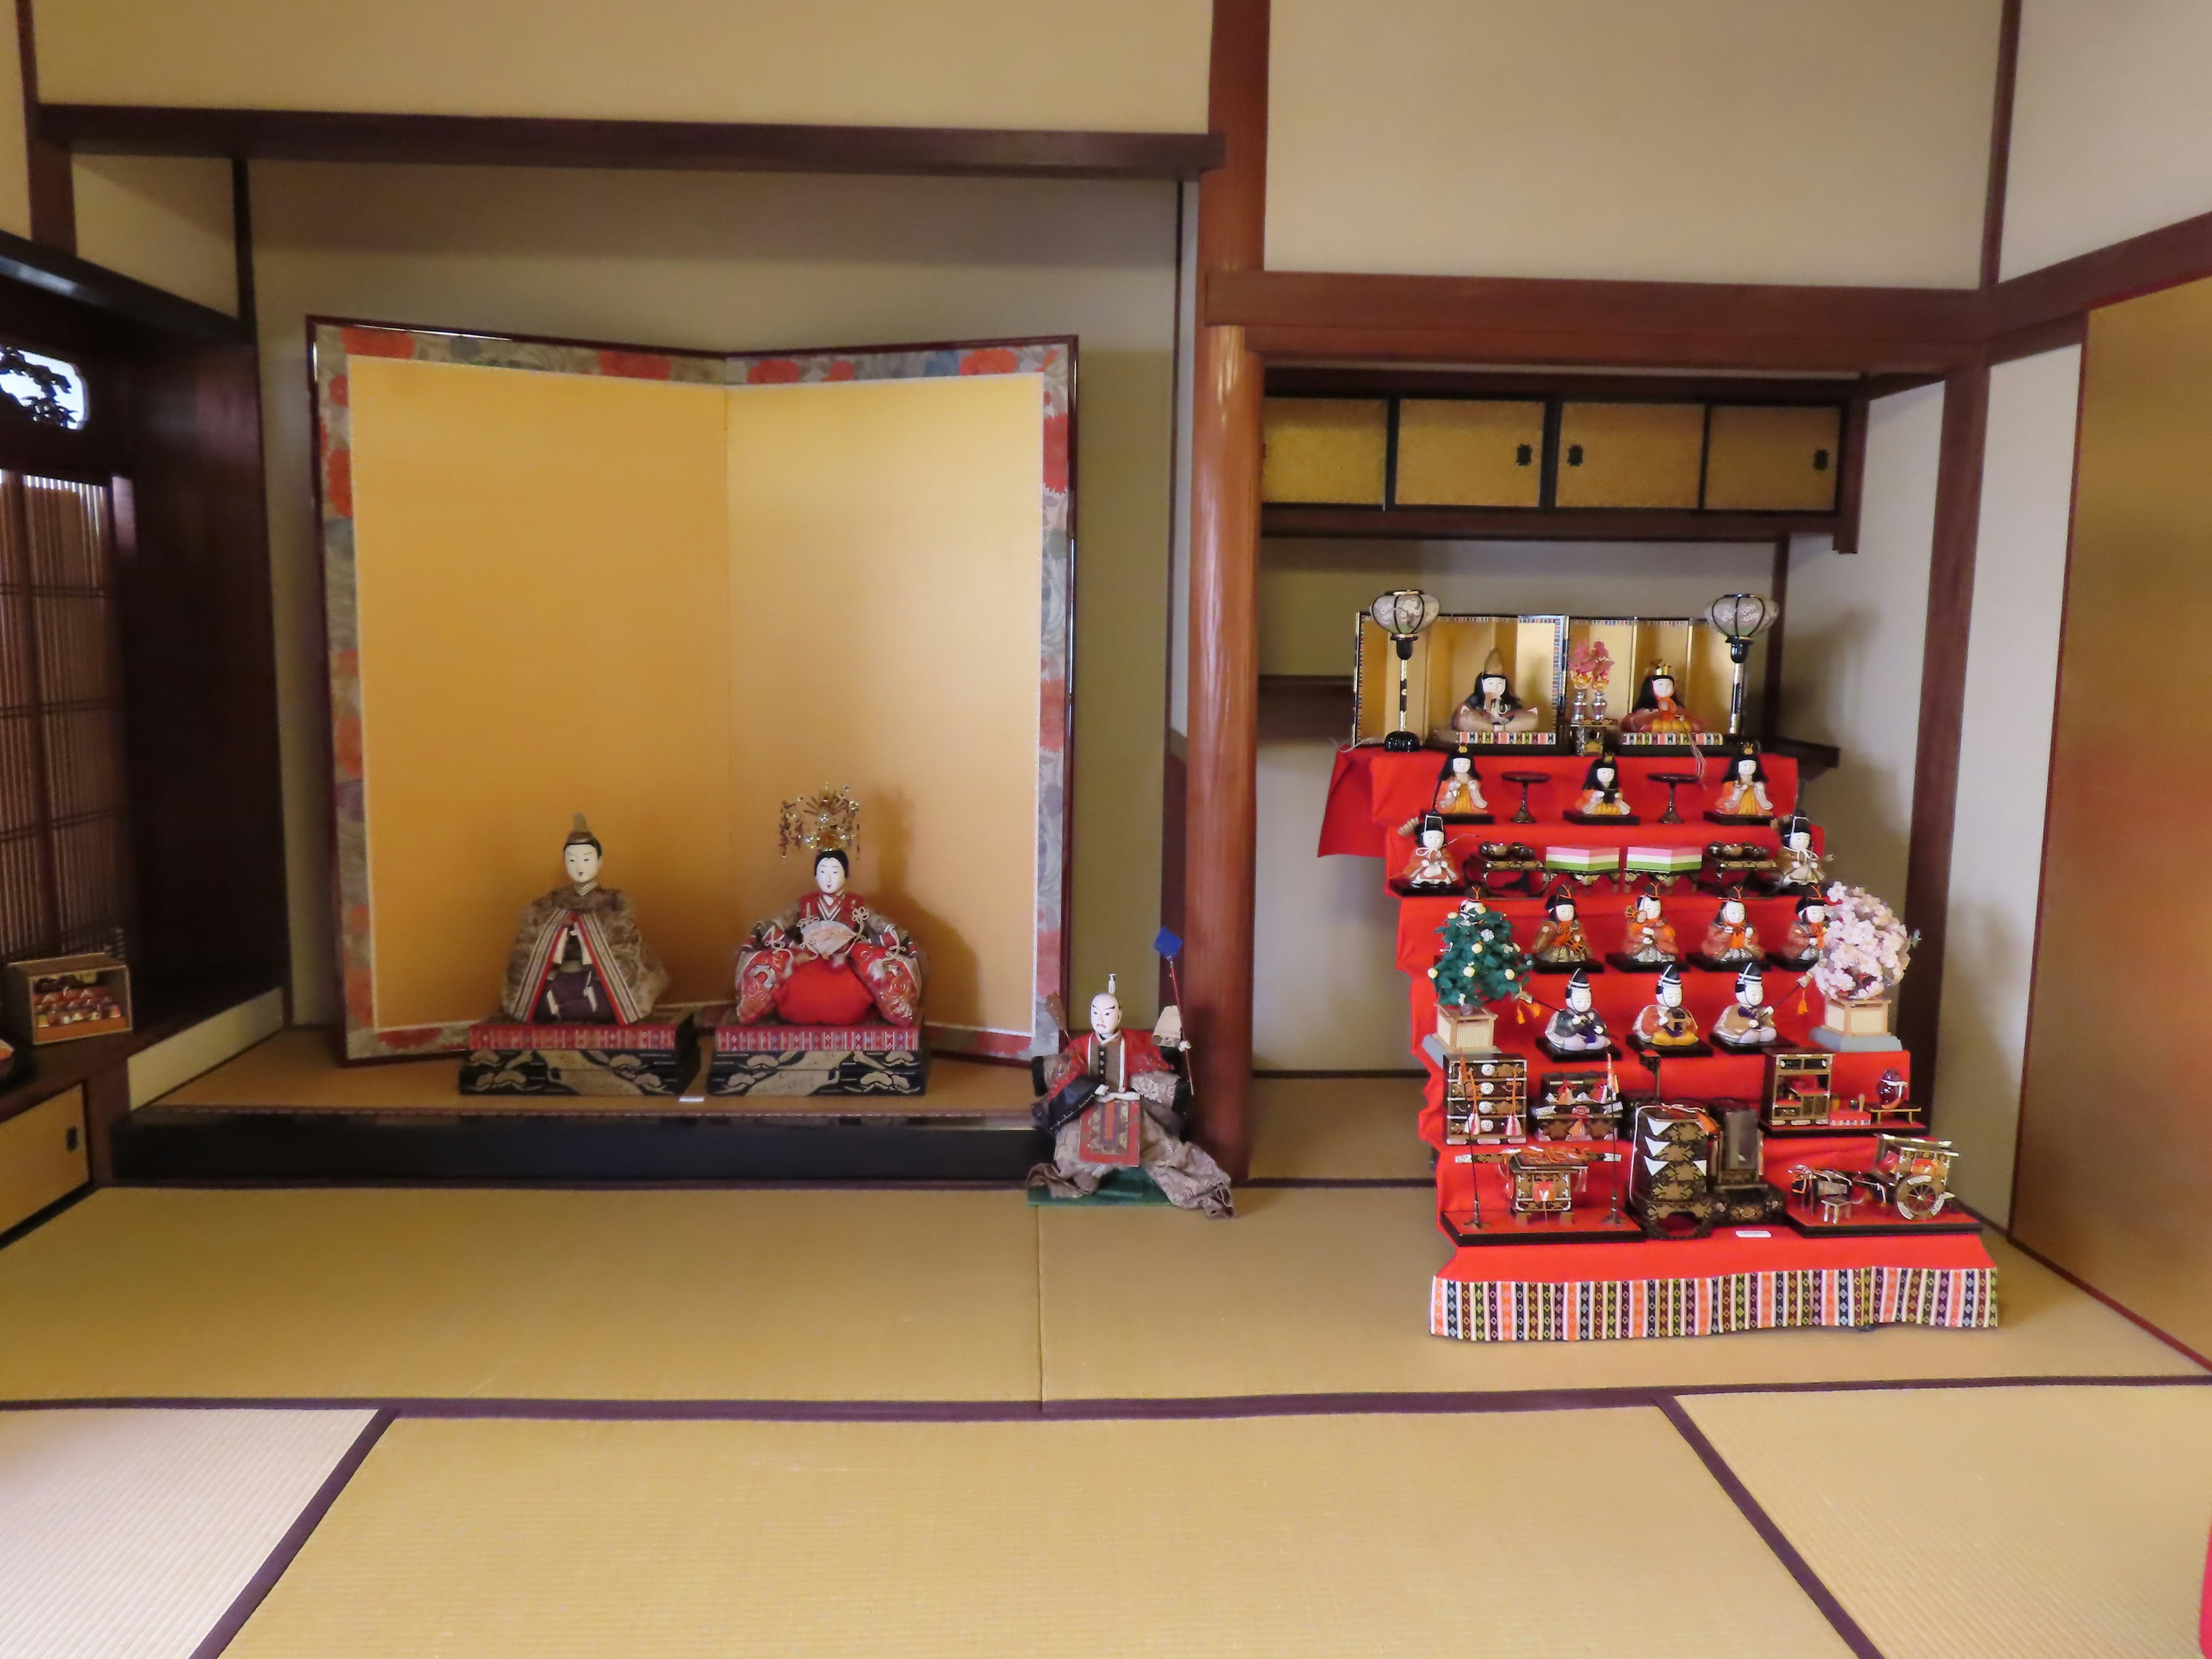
(578, 959)
(1742, 797)
(1731, 942)
(1797, 866)
(1665, 1026)
(1575, 1031)
(1491, 709)
(1658, 714)
(1600, 800)
(1109, 1104)
(1746, 1024)
(1650, 944)
(1431, 869)
(1800, 945)
(1459, 792)
(829, 960)
(1561, 945)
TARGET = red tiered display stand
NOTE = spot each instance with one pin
(1593, 1275)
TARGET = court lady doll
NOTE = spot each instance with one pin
(1561, 945)
(1666, 1026)
(1491, 709)
(1800, 945)
(1746, 1026)
(1731, 941)
(1576, 1030)
(578, 959)
(1742, 796)
(1459, 790)
(1600, 800)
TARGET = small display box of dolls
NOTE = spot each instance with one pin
(60, 999)
(829, 993)
(1473, 682)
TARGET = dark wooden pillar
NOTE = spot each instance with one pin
(1224, 637)
(53, 187)
(1942, 705)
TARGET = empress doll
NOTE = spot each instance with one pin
(829, 960)
(1658, 712)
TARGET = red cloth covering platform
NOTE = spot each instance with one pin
(1710, 1286)
(1529, 1288)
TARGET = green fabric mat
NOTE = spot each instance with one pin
(1122, 1186)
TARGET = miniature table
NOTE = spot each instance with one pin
(1526, 779)
(1674, 780)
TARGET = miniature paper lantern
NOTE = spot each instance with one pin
(1402, 614)
(1740, 617)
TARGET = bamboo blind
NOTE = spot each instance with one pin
(65, 879)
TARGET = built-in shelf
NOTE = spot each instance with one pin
(1466, 524)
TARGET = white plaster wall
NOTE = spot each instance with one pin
(1773, 141)
(1851, 661)
(2004, 765)
(2111, 125)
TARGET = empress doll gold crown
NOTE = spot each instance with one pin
(1661, 669)
(827, 823)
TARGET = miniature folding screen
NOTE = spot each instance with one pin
(1447, 657)
(669, 590)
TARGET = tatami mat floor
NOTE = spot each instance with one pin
(855, 1421)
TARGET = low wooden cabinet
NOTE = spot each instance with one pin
(1643, 455)
(1773, 459)
(42, 1156)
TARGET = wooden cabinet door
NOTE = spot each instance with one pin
(1325, 452)
(42, 1156)
(1469, 453)
(1773, 459)
(1630, 454)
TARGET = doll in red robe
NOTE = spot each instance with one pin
(829, 960)
(1109, 1104)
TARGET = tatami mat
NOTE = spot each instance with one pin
(1289, 1537)
(125, 1534)
(347, 1293)
(298, 1071)
(1337, 1129)
(1327, 1291)
(2039, 1523)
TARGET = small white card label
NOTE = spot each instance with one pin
(1753, 1232)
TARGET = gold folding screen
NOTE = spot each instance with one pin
(669, 592)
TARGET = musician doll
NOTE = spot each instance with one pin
(1561, 945)
(1731, 942)
(1800, 945)
(1651, 944)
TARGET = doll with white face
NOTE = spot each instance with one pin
(1459, 790)
(1431, 866)
(1731, 941)
(579, 957)
(1491, 709)
(1601, 796)
(1808, 932)
(1797, 866)
(829, 960)
(1742, 793)
(1561, 943)
(1576, 1029)
(1650, 937)
(1747, 1024)
(1665, 1023)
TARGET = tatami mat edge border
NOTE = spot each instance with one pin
(295, 1537)
(1015, 1411)
(1770, 1534)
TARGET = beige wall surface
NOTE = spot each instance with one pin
(2004, 766)
(165, 220)
(2115, 1177)
(1778, 141)
(14, 164)
(1326, 994)
(2111, 127)
(1139, 64)
(1851, 661)
(760, 262)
